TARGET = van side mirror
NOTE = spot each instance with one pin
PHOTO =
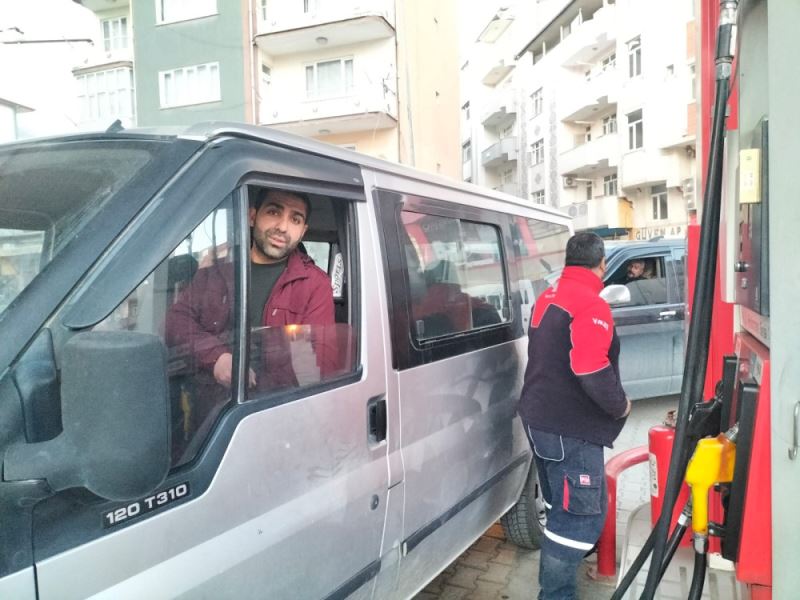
(115, 414)
(616, 294)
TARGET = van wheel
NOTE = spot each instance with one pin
(524, 523)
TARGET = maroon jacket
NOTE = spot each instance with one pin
(201, 321)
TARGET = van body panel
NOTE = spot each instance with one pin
(20, 585)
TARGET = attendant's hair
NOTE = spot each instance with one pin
(585, 249)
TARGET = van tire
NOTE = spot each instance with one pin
(524, 523)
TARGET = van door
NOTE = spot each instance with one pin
(458, 371)
(279, 478)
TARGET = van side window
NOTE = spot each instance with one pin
(301, 320)
(539, 256)
(455, 274)
(190, 300)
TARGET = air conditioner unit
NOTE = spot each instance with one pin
(569, 182)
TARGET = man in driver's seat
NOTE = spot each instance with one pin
(286, 288)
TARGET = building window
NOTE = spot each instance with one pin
(106, 95)
(635, 57)
(537, 152)
(587, 134)
(609, 62)
(538, 197)
(309, 6)
(115, 34)
(692, 82)
(610, 185)
(588, 190)
(537, 99)
(635, 130)
(263, 9)
(670, 70)
(465, 111)
(189, 85)
(466, 151)
(658, 194)
(168, 11)
(329, 78)
(610, 124)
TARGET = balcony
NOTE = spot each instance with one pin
(500, 111)
(498, 70)
(586, 158)
(642, 168)
(590, 39)
(601, 212)
(288, 29)
(589, 98)
(508, 188)
(500, 153)
(366, 108)
(101, 5)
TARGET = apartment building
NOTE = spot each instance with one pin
(106, 89)
(356, 73)
(604, 115)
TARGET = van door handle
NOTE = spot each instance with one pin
(376, 419)
(666, 314)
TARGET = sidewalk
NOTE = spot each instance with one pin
(493, 569)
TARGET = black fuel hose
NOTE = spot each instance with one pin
(698, 575)
(700, 325)
(672, 546)
(640, 559)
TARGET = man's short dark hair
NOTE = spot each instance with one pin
(262, 196)
(585, 249)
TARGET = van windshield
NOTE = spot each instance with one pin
(48, 194)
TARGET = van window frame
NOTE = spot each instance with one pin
(406, 353)
(350, 248)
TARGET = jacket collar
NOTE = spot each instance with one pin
(296, 266)
(582, 276)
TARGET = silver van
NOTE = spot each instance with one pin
(128, 472)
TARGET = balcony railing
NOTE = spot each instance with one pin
(363, 108)
(647, 167)
(601, 211)
(591, 37)
(600, 153)
(323, 24)
(500, 111)
(508, 188)
(499, 153)
(584, 99)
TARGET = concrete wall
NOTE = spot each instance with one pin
(427, 34)
(217, 38)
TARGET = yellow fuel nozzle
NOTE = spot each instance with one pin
(712, 462)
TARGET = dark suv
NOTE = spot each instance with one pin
(651, 325)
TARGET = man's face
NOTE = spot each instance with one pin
(636, 268)
(278, 226)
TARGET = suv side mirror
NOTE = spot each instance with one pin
(115, 411)
(616, 294)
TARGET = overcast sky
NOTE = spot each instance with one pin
(40, 75)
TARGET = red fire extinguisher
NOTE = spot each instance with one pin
(660, 441)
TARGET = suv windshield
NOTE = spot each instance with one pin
(48, 193)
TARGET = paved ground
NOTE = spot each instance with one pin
(493, 569)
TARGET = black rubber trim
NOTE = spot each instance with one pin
(351, 585)
(416, 538)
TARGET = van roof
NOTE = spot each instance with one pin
(207, 132)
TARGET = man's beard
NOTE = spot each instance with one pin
(261, 240)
